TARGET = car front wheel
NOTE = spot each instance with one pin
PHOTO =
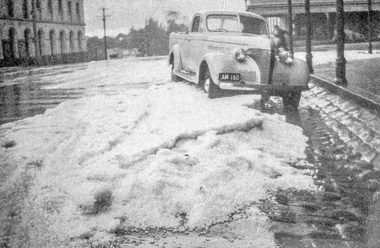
(209, 86)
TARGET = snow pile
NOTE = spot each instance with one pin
(164, 157)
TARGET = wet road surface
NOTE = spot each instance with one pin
(22, 92)
(338, 215)
(25, 92)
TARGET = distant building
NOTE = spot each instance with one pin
(323, 15)
(58, 28)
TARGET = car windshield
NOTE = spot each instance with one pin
(233, 23)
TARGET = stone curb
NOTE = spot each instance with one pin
(360, 100)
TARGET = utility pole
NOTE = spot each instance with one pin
(370, 26)
(290, 16)
(309, 56)
(105, 33)
(340, 70)
(35, 34)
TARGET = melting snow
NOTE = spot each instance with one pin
(147, 158)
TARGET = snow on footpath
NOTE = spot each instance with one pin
(165, 157)
(329, 57)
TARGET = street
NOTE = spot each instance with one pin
(116, 155)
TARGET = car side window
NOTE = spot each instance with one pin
(196, 24)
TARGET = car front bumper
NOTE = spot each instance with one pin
(262, 87)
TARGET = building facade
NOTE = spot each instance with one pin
(323, 16)
(42, 32)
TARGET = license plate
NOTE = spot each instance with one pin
(229, 77)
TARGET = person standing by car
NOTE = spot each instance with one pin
(280, 39)
(281, 46)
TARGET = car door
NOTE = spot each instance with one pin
(196, 40)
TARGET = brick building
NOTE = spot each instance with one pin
(323, 15)
(57, 25)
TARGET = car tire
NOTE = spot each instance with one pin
(175, 68)
(209, 86)
(291, 99)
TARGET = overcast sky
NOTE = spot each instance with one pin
(123, 14)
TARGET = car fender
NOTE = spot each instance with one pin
(175, 55)
(220, 62)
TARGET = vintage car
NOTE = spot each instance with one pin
(229, 50)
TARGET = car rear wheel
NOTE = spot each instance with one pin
(175, 78)
(291, 99)
(175, 68)
(209, 86)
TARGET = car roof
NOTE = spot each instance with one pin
(228, 12)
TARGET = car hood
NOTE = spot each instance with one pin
(243, 40)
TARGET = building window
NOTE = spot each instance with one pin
(69, 10)
(80, 45)
(11, 9)
(71, 41)
(50, 8)
(78, 11)
(27, 37)
(62, 41)
(41, 41)
(39, 8)
(25, 10)
(60, 6)
(52, 42)
(9, 46)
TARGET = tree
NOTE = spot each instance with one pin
(173, 26)
(151, 40)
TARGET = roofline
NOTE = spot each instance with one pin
(273, 8)
(217, 11)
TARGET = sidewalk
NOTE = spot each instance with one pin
(362, 73)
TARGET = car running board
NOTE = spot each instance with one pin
(188, 76)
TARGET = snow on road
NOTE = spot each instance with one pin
(166, 156)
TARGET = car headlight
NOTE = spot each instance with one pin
(240, 55)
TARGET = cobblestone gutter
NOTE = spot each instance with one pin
(344, 149)
(358, 127)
